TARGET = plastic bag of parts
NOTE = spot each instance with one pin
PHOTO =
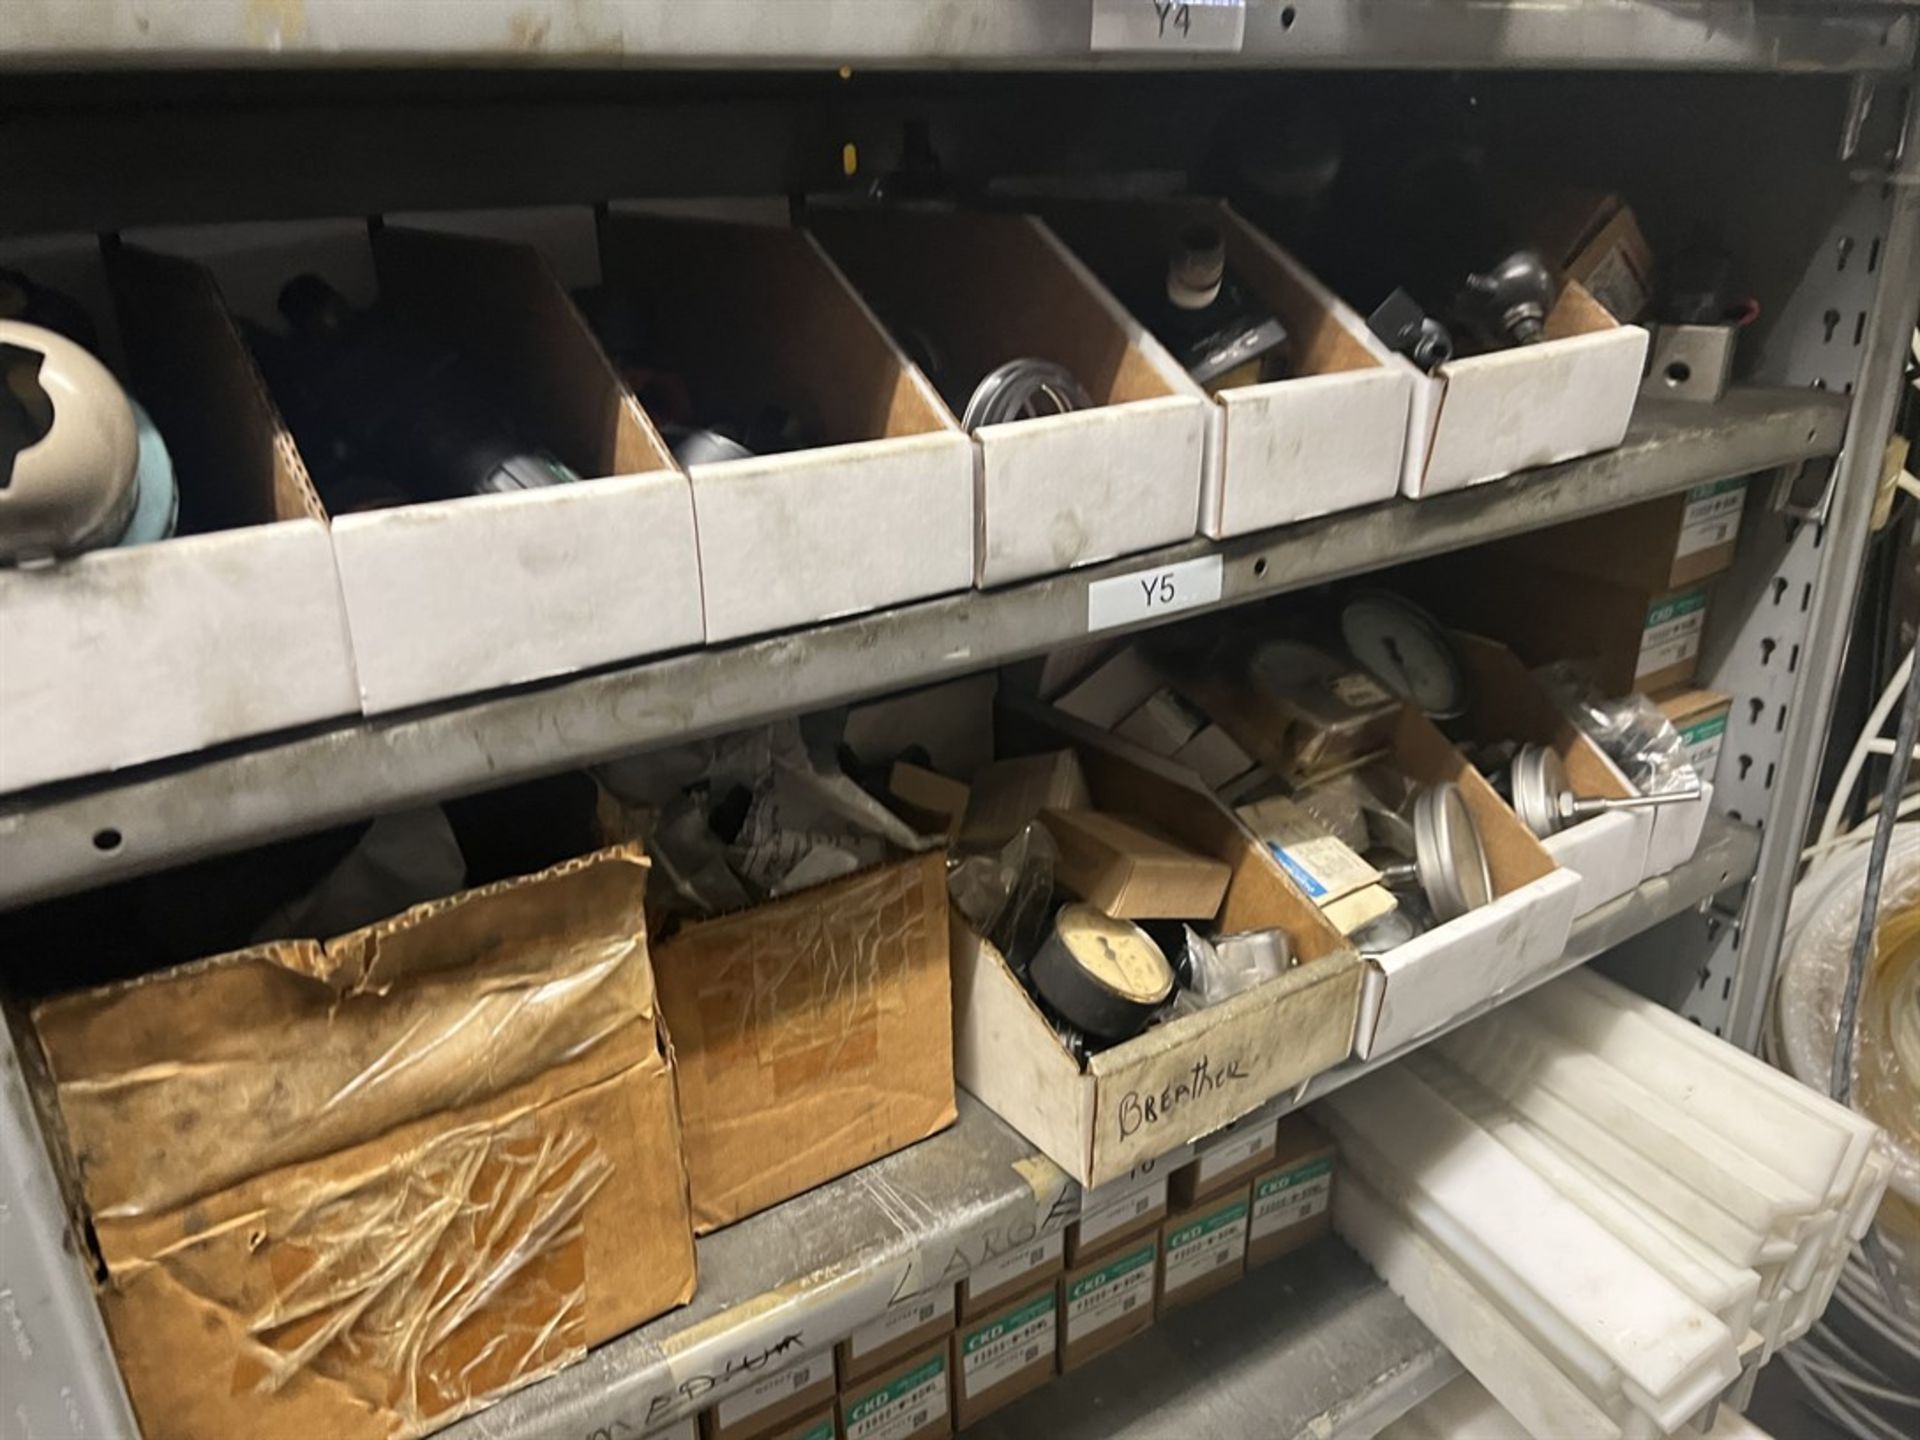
(1211, 971)
(1630, 730)
(749, 817)
(1886, 1056)
(1007, 894)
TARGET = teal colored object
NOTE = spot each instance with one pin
(156, 507)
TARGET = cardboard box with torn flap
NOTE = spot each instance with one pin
(363, 1187)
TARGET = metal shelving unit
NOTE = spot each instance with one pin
(72, 837)
(1434, 34)
(1317, 1346)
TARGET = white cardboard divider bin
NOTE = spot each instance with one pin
(1329, 437)
(452, 597)
(1484, 416)
(881, 512)
(1060, 490)
(233, 628)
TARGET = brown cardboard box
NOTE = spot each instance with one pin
(1634, 637)
(1004, 1277)
(1701, 718)
(772, 1405)
(1108, 1298)
(1203, 1249)
(360, 1188)
(1009, 794)
(812, 1034)
(1128, 871)
(1006, 1354)
(911, 1401)
(1292, 1201)
(1665, 544)
(1109, 1220)
(1222, 1160)
(1594, 238)
(819, 1426)
(927, 800)
(904, 1328)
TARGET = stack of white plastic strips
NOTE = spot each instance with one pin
(1609, 1216)
(1464, 1410)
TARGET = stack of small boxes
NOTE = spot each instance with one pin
(1172, 1231)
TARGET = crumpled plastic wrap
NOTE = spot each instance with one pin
(749, 817)
(1886, 1057)
(1631, 730)
(1007, 895)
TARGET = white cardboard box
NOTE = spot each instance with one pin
(117, 656)
(1676, 831)
(1062, 490)
(1486, 952)
(879, 514)
(451, 597)
(1485, 416)
(1607, 852)
(1332, 435)
(1178, 1081)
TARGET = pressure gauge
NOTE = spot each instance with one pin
(1103, 975)
(1406, 650)
(1451, 861)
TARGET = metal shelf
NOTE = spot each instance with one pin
(1340, 1355)
(1764, 35)
(1313, 1345)
(70, 837)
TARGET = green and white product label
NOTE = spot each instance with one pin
(1199, 1249)
(820, 1430)
(1224, 1152)
(1672, 632)
(1711, 516)
(1112, 1217)
(903, 1407)
(1121, 1287)
(985, 1279)
(1285, 1200)
(771, 1391)
(1701, 743)
(900, 1318)
(1002, 1348)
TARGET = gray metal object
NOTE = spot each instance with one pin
(1795, 593)
(57, 1373)
(1545, 802)
(1312, 1346)
(823, 34)
(799, 1276)
(1690, 362)
(1023, 390)
(68, 839)
(1448, 855)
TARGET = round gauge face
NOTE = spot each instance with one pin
(1405, 649)
(1115, 953)
(1469, 859)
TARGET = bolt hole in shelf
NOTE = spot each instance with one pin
(1754, 708)
(1260, 566)
(1779, 588)
(1287, 17)
(1679, 372)
(108, 840)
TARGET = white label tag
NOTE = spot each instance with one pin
(1121, 1287)
(1000, 1350)
(995, 1273)
(772, 1390)
(1672, 632)
(1169, 24)
(906, 1407)
(901, 1317)
(1113, 1216)
(1206, 1246)
(1286, 1199)
(1148, 594)
(1711, 516)
(1218, 1158)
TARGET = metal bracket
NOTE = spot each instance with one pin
(1803, 491)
